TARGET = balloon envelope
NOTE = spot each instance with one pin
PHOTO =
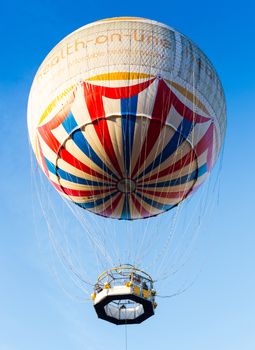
(126, 117)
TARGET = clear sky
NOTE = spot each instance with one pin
(218, 311)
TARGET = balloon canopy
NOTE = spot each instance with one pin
(126, 117)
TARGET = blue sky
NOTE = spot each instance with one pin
(218, 311)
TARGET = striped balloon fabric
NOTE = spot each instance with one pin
(133, 163)
(127, 144)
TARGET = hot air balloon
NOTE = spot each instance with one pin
(126, 117)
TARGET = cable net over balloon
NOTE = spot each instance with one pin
(127, 119)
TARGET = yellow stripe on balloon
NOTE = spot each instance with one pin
(121, 19)
(120, 76)
(192, 98)
(53, 104)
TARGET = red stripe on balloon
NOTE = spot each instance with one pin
(206, 143)
(45, 130)
(173, 195)
(42, 158)
(162, 102)
(82, 193)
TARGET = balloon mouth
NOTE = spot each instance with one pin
(126, 186)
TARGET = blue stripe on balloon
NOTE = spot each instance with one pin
(202, 170)
(90, 205)
(129, 105)
(70, 124)
(179, 181)
(126, 210)
(72, 178)
(128, 127)
(155, 204)
(179, 136)
(128, 113)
